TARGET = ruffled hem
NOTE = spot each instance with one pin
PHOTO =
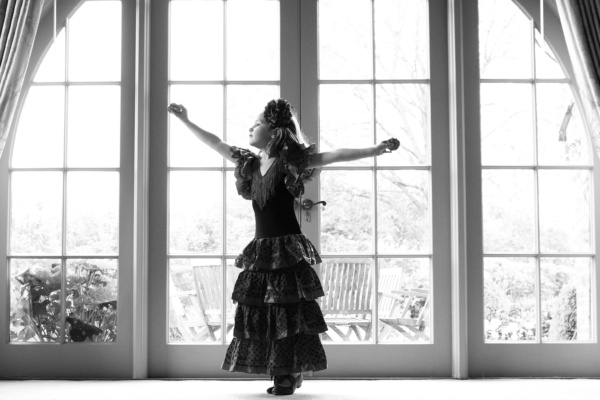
(289, 285)
(247, 369)
(243, 170)
(296, 158)
(278, 321)
(277, 252)
(299, 353)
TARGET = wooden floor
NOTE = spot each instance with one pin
(442, 389)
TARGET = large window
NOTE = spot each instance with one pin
(373, 85)
(536, 184)
(64, 187)
(224, 67)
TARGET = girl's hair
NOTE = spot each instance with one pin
(283, 125)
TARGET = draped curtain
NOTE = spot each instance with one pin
(19, 20)
(580, 20)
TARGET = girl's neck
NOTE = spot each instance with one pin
(264, 156)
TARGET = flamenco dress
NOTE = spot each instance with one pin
(277, 320)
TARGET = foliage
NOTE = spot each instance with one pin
(510, 304)
(91, 305)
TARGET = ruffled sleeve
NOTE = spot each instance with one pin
(243, 170)
(296, 158)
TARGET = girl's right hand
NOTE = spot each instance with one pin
(178, 110)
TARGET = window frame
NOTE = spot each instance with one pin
(510, 359)
(32, 359)
(469, 355)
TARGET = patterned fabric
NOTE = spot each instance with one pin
(580, 21)
(19, 20)
(291, 167)
(296, 158)
(277, 320)
(289, 285)
(243, 170)
(292, 354)
(277, 252)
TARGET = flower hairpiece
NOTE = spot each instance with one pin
(278, 114)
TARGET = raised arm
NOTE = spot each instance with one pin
(341, 155)
(210, 139)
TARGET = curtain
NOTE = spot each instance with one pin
(580, 20)
(19, 20)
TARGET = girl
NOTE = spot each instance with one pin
(277, 320)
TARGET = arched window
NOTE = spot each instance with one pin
(64, 186)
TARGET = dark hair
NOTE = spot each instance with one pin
(283, 125)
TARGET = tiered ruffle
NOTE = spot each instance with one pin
(293, 354)
(277, 321)
(277, 253)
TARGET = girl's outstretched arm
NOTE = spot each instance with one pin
(210, 139)
(341, 155)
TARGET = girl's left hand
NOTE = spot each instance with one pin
(387, 146)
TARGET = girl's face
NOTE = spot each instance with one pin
(259, 133)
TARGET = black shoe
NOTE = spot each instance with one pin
(279, 390)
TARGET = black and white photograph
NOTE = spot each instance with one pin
(323, 199)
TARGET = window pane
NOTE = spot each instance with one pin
(565, 219)
(240, 218)
(92, 288)
(403, 211)
(554, 100)
(196, 36)
(347, 304)
(94, 129)
(195, 212)
(546, 62)
(509, 299)
(253, 40)
(35, 213)
(52, 67)
(404, 300)
(346, 118)
(345, 39)
(504, 40)
(347, 220)
(508, 211)
(92, 213)
(401, 39)
(506, 124)
(35, 303)
(40, 133)
(205, 107)
(95, 42)
(244, 104)
(566, 299)
(403, 113)
(195, 300)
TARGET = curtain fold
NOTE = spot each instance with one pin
(19, 20)
(580, 20)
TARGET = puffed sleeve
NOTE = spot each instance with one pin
(296, 158)
(243, 170)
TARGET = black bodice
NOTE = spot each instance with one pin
(277, 218)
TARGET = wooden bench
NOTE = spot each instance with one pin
(348, 301)
(196, 314)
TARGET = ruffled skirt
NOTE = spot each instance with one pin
(277, 320)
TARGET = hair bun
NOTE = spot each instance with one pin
(278, 114)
